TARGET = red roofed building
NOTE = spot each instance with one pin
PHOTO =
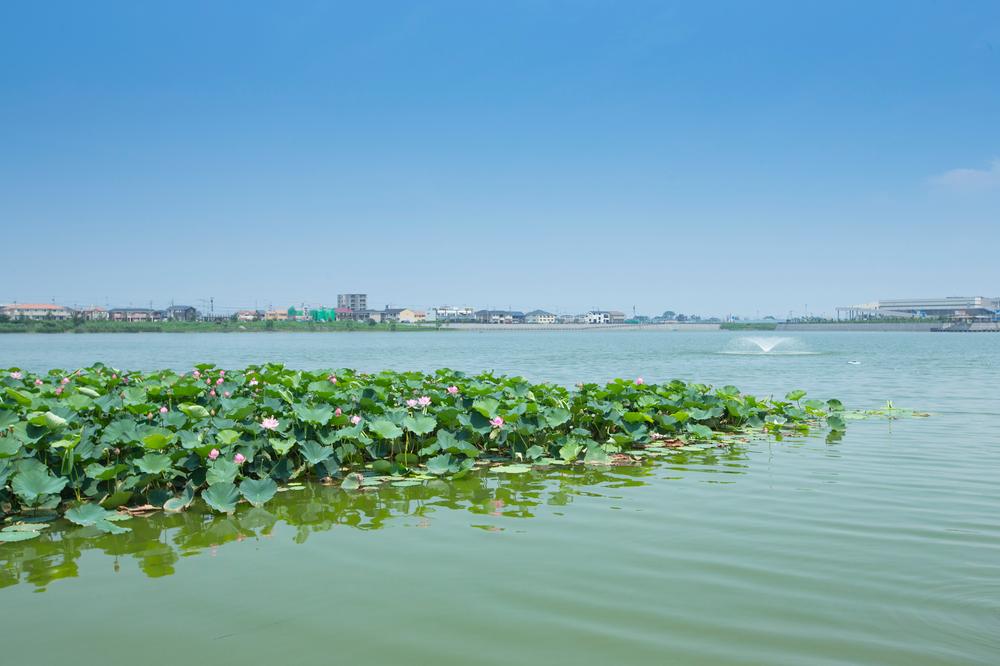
(24, 311)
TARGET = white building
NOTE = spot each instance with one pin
(539, 317)
(950, 307)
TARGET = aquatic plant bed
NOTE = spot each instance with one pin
(100, 443)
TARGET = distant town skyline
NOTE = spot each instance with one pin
(735, 157)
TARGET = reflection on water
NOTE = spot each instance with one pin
(157, 542)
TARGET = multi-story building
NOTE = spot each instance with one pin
(276, 315)
(25, 311)
(950, 307)
(93, 313)
(136, 314)
(451, 313)
(499, 316)
(182, 313)
(539, 317)
(352, 301)
(605, 317)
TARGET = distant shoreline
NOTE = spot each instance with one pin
(236, 327)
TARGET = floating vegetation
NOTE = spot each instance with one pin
(102, 445)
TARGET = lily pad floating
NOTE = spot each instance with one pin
(512, 469)
(407, 483)
(10, 537)
(94, 515)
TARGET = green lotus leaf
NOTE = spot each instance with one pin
(385, 429)
(221, 471)
(512, 469)
(420, 425)
(36, 482)
(194, 411)
(320, 415)
(93, 515)
(222, 497)
(9, 537)
(258, 491)
(314, 453)
(570, 450)
(154, 463)
(699, 431)
(440, 464)
(556, 416)
(158, 439)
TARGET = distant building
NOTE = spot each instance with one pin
(298, 315)
(323, 314)
(451, 313)
(93, 313)
(352, 301)
(249, 315)
(605, 317)
(950, 307)
(136, 314)
(276, 315)
(26, 311)
(182, 313)
(408, 316)
(391, 314)
(367, 315)
(343, 314)
(572, 319)
(499, 317)
(539, 317)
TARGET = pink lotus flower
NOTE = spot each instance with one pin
(16, 375)
(355, 419)
(424, 401)
(253, 382)
(453, 390)
(212, 393)
(196, 374)
(65, 380)
(239, 459)
(222, 373)
(163, 410)
(213, 454)
(333, 379)
(496, 422)
(337, 412)
(114, 376)
(218, 382)
(226, 394)
(38, 382)
(270, 423)
(59, 390)
(411, 403)
(640, 381)
(208, 381)
(124, 379)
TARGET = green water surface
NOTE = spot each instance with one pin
(881, 547)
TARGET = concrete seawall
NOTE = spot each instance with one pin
(915, 327)
(580, 327)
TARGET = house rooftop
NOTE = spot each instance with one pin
(36, 306)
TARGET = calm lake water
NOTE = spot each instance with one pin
(883, 547)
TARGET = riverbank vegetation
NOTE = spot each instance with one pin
(98, 439)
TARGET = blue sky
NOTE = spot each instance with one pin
(716, 158)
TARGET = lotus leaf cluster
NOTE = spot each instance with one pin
(98, 438)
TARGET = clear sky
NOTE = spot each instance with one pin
(703, 157)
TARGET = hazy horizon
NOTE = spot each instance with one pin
(715, 160)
